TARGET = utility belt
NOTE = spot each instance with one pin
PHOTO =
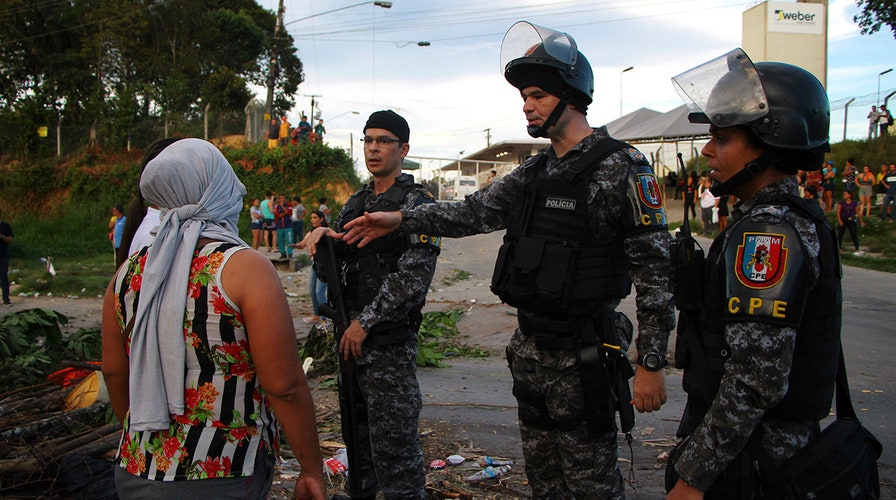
(604, 366)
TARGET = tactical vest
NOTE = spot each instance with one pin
(367, 267)
(551, 262)
(813, 372)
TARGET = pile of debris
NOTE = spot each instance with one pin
(55, 439)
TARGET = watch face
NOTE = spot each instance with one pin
(653, 361)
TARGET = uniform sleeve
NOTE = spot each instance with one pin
(755, 380)
(484, 211)
(405, 289)
(651, 275)
(634, 208)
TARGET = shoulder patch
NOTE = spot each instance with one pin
(761, 260)
(635, 155)
(649, 190)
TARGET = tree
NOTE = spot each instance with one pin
(876, 13)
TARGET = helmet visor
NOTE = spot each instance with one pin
(527, 40)
(725, 91)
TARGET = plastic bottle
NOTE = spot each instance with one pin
(488, 473)
(486, 461)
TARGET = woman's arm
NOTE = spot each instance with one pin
(253, 284)
(115, 356)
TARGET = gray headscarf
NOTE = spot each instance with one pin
(198, 195)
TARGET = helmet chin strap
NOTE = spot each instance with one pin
(750, 170)
(542, 131)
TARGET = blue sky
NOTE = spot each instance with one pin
(364, 58)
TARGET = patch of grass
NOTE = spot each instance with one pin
(76, 276)
(455, 276)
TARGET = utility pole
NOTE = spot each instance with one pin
(275, 64)
(311, 114)
(488, 137)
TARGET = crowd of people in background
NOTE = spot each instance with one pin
(282, 134)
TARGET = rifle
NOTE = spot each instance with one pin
(352, 409)
(687, 265)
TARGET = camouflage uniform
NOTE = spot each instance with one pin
(390, 458)
(568, 463)
(761, 358)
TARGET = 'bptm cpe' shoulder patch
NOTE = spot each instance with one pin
(649, 190)
(761, 260)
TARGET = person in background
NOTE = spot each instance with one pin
(881, 188)
(723, 212)
(116, 224)
(584, 221)
(6, 238)
(847, 211)
(866, 181)
(268, 225)
(324, 209)
(873, 117)
(316, 287)
(283, 131)
(884, 121)
(197, 414)
(828, 176)
(256, 223)
(768, 368)
(319, 131)
(708, 202)
(691, 194)
(304, 129)
(889, 181)
(850, 171)
(141, 220)
(283, 221)
(273, 134)
(298, 219)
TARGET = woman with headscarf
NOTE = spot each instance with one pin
(199, 346)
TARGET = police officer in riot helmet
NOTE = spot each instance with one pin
(760, 355)
(584, 221)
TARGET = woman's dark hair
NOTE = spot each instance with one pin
(322, 199)
(322, 217)
(137, 209)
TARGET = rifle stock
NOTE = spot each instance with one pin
(351, 406)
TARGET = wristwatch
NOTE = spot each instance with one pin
(653, 361)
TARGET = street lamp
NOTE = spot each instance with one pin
(342, 114)
(620, 87)
(882, 73)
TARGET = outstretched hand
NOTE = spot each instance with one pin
(371, 226)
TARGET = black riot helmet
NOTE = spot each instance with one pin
(783, 106)
(535, 56)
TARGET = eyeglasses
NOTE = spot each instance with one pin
(380, 141)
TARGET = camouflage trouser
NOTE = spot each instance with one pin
(390, 458)
(562, 462)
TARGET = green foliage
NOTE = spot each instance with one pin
(874, 153)
(875, 14)
(131, 62)
(437, 339)
(455, 276)
(32, 345)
